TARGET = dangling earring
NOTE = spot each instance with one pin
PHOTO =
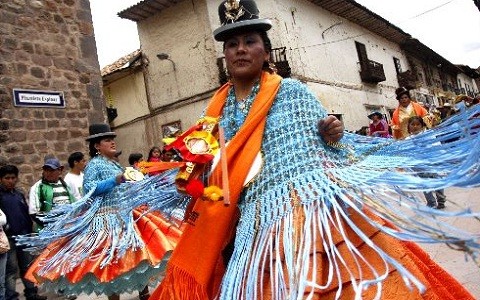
(272, 67)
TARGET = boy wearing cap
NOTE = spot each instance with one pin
(48, 192)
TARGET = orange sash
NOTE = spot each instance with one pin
(419, 111)
(195, 269)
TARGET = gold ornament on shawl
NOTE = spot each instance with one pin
(201, 142)
(131, 174)
(233, 11)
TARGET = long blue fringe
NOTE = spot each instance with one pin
(383, 175)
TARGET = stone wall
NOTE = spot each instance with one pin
(47, 45)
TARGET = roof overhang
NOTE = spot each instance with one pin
(145, 9)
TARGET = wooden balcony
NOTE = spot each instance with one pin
(407, 79)
(372, 72)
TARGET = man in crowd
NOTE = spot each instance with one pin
(50, 191)
(74, 177)
(13, 204)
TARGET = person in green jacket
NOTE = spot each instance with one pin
(48, 192)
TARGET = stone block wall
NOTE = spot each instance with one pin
(47, 45)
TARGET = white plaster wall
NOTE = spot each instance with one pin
(321, 51)
(184, 33)
(188, 115)
(129, 97)
(130, 139)
(329, 61)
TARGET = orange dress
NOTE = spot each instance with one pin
(160, 238)
(100, 245)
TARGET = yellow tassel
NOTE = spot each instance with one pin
(213, 193)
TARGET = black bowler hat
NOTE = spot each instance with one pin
(400, 91)
(375, 113)
(99, 130)
(239, 16)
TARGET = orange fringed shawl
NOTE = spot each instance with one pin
(195, 269)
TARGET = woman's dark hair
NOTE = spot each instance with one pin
(151, 151)
(8, 169)
(75, 156)
(91, 147)
(416, 118)
(134, 158)
(268, 47)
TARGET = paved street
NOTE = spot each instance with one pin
(453, 261)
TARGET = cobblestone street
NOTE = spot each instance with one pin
(453, 261)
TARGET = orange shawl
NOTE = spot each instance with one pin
(195, 269)
(397, 131)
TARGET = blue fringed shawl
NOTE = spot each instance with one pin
(301, 173)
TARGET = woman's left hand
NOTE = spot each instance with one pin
(331, 129)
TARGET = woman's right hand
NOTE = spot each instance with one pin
(120, 178)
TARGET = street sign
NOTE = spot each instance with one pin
(38, 98)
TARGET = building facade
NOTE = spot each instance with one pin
(350, 57)
(50, 82)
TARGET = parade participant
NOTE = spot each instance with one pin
(100, 246)
(406, 109)
(303, 214)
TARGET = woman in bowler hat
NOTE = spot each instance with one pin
(102, 247)
(405, 110)
(300, 223)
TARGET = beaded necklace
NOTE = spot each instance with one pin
(235, 112)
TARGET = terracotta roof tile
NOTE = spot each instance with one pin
(120, 63)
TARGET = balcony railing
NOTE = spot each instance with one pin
(407, 79)
(372, 72)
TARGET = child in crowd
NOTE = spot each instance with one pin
(134, 159)
(154, 154)
(435, 199)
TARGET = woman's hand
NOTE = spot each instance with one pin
(330, 129)
(119, 178)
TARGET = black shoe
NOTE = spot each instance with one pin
(440, 206)
(36, 297)
(145, 296)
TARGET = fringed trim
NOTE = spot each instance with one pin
(317, 248)
(129, 282)
(179, 285)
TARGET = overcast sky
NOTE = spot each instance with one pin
(449, 27)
